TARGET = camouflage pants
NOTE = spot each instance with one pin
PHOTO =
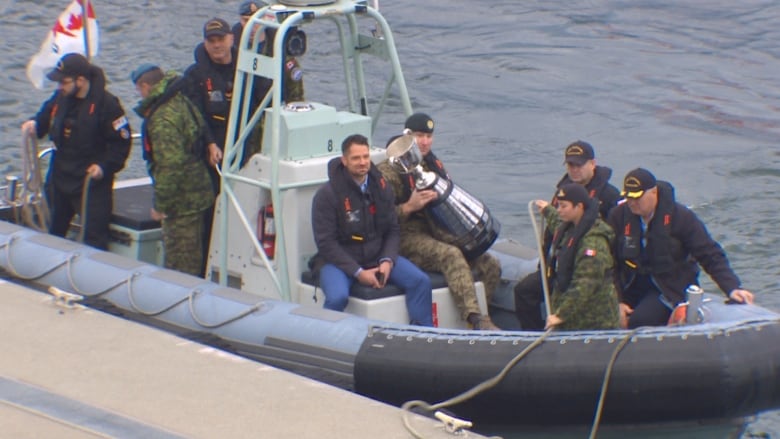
(183, 241)
(431, 254)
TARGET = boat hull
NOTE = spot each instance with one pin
(729, 368)
(675, 374)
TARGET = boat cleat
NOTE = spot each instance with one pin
(452, 424)
(63, 298)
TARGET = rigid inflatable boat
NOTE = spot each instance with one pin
(726, 367)
(260, 301)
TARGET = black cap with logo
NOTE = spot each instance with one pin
(419, 122)
(578, 153)
(637, 182)
(71, 65)
(216, 26)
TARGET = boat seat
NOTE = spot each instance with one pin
(388, 304)
(367, 293)
(131, 208)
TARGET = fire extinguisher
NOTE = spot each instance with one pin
(268, 230)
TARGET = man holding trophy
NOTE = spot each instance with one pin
(443, 228)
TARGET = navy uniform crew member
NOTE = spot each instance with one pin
(90, 130)
(581, 168)
(579, 264)
(357, 234)
(245, 11)
(428, 246)
(658, 247)
(210, 88)
(210, 85)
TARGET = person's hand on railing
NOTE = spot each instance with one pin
(541, 204)
(29, 128)
(215, 154)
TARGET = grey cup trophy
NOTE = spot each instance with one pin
(454, 210)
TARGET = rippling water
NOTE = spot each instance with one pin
(686, 88)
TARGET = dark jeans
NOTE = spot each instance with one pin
(648, 304)
(528, 302)
(99, 205)
(414, 282)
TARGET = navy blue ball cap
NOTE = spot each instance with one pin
(216, 26)
(637, 182)
(578, 153)
(248, 7)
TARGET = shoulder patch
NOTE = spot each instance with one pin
(296, 74)
(120, 122)
(590, 252)
(125, 133)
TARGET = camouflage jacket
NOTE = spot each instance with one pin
(414, 222)
(181, 181)
(590, 300)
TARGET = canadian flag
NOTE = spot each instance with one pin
(67, 36)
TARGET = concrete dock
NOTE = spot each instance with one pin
(80, 373)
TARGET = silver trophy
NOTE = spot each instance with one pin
(455, 211)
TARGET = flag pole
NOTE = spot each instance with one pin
(85, 27)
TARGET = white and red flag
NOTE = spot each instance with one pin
(68, 35)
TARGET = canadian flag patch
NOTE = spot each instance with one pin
(590, 252)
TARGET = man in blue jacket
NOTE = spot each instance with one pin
(357, 234)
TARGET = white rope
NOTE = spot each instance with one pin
(200, 322)
(539, 237)
(13, 270)
(605, 382)
(34, 208)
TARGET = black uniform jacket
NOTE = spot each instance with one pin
(353, 229)
(85, 131)
(676, 243)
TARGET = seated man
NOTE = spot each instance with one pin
(658, 247)
(357, 234)
(581, 168)
(579, 264)
(428, 246)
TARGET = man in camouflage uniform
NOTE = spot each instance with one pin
(174, 147)
(431, 248)
(579, 265)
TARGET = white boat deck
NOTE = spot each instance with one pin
(77, 372)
